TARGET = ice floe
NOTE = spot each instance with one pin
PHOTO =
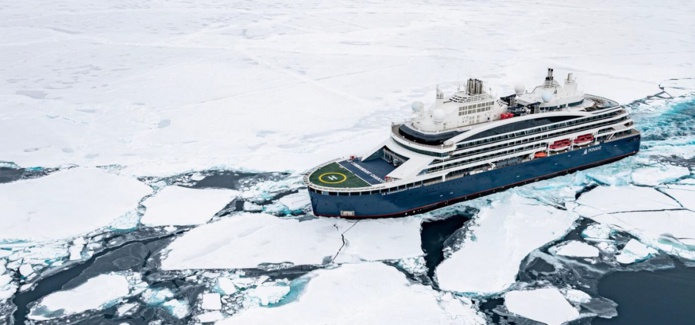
(268, 293)
(375, 239)
(210, 301)
(684, 194)
(653, 176)
(670, 231)
(178, 308)
(634, 251)
(176, 205)
(611, 199)
(98, 292)
(575, 248)
(546, 305)
(504, 233)
(296, 201)
(597, 232)
(247, 240)
(66, 203)
(383, 296)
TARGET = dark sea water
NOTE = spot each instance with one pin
(651, 297)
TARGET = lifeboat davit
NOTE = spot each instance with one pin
(584, 139)
(560, 145)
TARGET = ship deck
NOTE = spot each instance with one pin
(355, 173)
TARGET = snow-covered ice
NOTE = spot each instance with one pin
(296, 201)
(96, 293)
(670, 231)
(504, 233)
(575, 248)
(383, 296)
(66, 203)
(597, 232)
(684, 194)
(653, 176)
(634, 251)
(211, 301)
(176, 205)
(546, 305)
(375, 239)
(268, 293)
(610, 199)
(247, 240)
(131, 85)
(178, 308)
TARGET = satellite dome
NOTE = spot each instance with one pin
(417, 107)
(438, 115)
(519, 89)
(546, 97)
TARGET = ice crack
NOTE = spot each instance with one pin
(342, 236)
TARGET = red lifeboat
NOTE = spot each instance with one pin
(560, 145)
(506, 116)
(584, 139)
(540, 154)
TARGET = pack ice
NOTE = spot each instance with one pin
(66, 203)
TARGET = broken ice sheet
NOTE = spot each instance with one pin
(503, 234)
(384, 296)
(66, 203)
(176, 205)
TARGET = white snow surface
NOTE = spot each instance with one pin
(247, 240)
(268, 293)
(610, 199)
(652, 176)
(178, 86)
(685, 195)
(383, 296)
(296, 201)
(575, 248)
(179, 206)
(211, 301)
(666, 230)
(66, 203)
(634, 251)
(93, 294)
(546, 305)
(504, 233)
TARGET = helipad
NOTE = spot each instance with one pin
(334, 175)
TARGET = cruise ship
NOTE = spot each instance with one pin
(472, 144)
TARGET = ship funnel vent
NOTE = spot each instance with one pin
(474, 87)
(549, 79)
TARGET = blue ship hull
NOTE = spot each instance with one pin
(425, 198)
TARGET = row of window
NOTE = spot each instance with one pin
(486, 157)
(464, 110)
(536, 130)
(540, 137)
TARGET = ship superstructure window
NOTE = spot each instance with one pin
(475, 108)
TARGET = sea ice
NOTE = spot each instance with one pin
(268, 293)
(546, 305)
(178, 308)
(575, 248)
(670, 231)
(296, 201)
(66, 203)
(504, 233)
(597, 232)
(375, 239)
(210, 317)
(211, 301)
(156, 296)
(249, 239)
(685, 195)
(634, 251)
(96, 293)
(652, 176)
(176, 205)
(610, 199)
(576, 296)
(383, 296)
